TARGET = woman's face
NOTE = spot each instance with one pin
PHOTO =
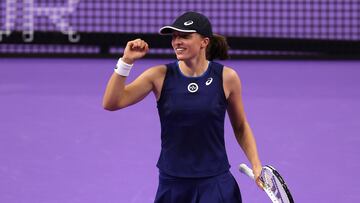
(188, 45)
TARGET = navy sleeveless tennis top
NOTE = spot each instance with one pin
(192, 112)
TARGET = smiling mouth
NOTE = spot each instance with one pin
(179, 50)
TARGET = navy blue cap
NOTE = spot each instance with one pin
(190, 22)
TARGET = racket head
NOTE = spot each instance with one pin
(275, 185)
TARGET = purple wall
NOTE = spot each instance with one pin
(321, 19)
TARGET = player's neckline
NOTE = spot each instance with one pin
(199, 76)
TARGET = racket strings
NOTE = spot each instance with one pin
(271, 183)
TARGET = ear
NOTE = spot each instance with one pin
(205, 42)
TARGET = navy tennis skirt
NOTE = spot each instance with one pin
(222, 188)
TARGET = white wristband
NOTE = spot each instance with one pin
(123, 68)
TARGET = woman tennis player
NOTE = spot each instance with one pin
(193, 93)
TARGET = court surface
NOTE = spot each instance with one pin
(58, 145)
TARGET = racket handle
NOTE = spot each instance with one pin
(246, 170)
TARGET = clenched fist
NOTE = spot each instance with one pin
(135, 49)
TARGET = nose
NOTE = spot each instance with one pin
(176, 40)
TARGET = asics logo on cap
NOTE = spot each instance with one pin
(189, 22)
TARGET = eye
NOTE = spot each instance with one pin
(181, 35)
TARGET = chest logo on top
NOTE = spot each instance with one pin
(209, 81)
(192, 87)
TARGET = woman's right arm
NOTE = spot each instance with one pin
(117, 94)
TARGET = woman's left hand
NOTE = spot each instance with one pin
(257, 172)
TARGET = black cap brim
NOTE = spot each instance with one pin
(167, 30)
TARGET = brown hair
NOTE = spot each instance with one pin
(218, 48)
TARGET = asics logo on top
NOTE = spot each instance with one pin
(209, 81)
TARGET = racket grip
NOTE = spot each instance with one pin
(246, 170)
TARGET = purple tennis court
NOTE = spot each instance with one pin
(57, 143)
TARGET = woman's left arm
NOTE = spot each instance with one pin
(241, 127)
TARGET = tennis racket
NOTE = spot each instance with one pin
(274, 184)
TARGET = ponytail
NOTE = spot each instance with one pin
(218, 48)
